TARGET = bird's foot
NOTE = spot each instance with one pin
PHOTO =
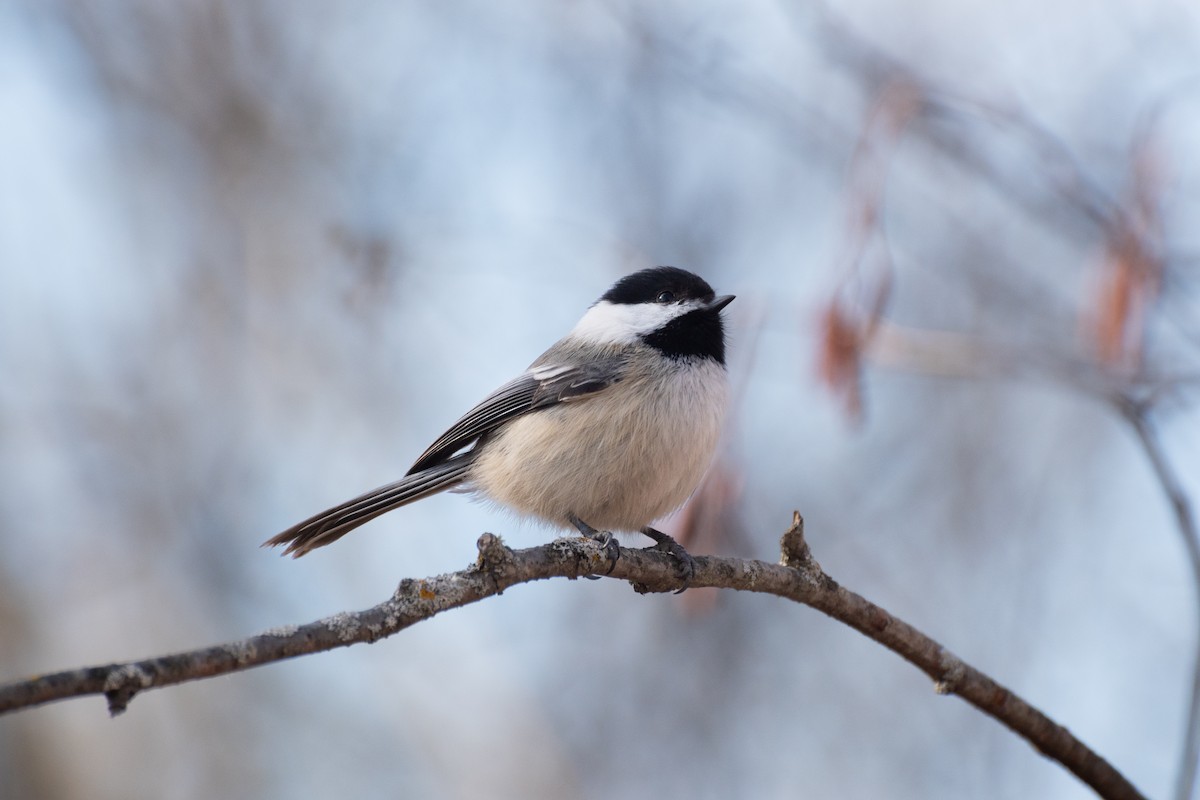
(607, 542)
(685, 565)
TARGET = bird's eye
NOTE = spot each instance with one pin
(665, 297)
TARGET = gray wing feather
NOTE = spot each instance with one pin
(541, 387)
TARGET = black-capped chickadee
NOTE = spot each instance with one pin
(611, 428)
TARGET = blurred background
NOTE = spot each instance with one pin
(255, 256)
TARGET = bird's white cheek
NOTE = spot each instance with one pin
(619, 323)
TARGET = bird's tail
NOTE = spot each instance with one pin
(333, 524)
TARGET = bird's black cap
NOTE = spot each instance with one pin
(646, 286)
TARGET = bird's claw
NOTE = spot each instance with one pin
(612, 549)
(608, 543)
(685, 565)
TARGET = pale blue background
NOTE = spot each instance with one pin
(255, 256)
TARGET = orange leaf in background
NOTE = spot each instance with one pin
(1131, 270)
(840, 362)
(1117, 305)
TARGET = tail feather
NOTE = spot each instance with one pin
(333, 524)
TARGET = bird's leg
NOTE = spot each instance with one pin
(685, 565)
(605, 539)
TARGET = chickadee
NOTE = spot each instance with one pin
(608, 430)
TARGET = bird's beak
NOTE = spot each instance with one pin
(721, 302)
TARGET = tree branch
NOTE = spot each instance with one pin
(798, 577)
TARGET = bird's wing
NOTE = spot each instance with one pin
(542, 386)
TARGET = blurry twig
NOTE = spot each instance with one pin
(1137, 414)
(798, 577)
(943, 116)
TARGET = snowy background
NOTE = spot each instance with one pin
(255, 256)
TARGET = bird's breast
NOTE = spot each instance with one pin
(618, 460)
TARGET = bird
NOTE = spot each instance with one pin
(610, 429)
